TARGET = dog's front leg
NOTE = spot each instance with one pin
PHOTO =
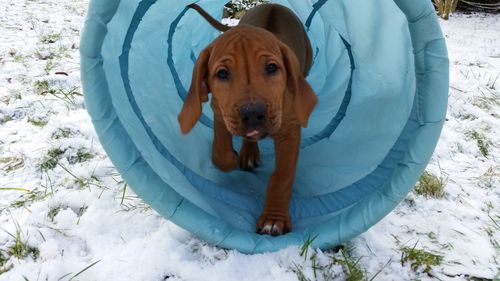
(275, 218)
(249, 155)
(223, 154)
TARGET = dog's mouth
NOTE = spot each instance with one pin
(255, 134)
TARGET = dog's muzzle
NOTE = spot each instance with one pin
(253, 117)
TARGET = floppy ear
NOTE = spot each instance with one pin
(198, 93)
(304, 98)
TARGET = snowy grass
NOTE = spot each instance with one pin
(430, 185)
(66, 214)
(420, 259)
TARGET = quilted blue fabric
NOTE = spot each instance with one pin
(381, 75)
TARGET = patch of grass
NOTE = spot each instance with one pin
(3, 259)
(493, 227)
(82, 155)
(10, 164)
(299, 271)
(482, 142)
(16, 56)
(19, 58)
(133, 204)
(53, 212)
(39, 122)
(352, 268)
(3, 263)
(341, 265)
(492, 81)
(42, 87)
(56, 209)
(61, 133)
(50, 38)
(80, 213)
(48, 66)
(69, 96)
(468, 116)
(45, 37)
(487, 100)
(8, 98)
(430, 185)
(490, 178)
(53, 157)
(63, 52)
(84, 182)
(6, 119)
(318, 270)
(15, 94)
(304, 250)
(50, 52)
(419, 258)
(45, 54)
(27, 198)
(20, 248)
(6, 266)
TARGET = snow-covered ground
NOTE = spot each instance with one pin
(65, 213)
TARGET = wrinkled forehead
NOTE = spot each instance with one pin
(245, 41)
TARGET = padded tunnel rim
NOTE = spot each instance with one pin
(171, 205)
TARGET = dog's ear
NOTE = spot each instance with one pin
(303, 96)
(198, 93)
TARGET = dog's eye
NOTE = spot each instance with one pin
(271, 68)
(222, 74)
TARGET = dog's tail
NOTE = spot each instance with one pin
(213, 22)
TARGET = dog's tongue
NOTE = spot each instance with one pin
(252, 133)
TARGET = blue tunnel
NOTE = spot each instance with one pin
(380, 72)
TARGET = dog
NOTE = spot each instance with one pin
(255, 72)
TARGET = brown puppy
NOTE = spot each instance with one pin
(255, 72)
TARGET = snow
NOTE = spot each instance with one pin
(80, 213)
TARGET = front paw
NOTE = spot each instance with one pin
(249, 156)
(274, 223)
(225, 161)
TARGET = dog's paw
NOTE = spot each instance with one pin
(249, 156)
(226, 161)
(274, 224)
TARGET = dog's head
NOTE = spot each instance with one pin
(254, 79)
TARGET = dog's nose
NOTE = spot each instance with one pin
(253, 114)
